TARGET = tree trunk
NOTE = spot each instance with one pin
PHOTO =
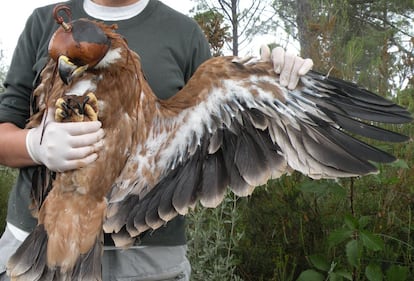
(303, 16)
(235, 26)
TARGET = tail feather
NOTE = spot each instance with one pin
(29, 262)
(30, 258)
(89, 266)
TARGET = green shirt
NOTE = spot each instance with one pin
(171, 47)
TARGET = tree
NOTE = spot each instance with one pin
(364, 41)
(245, 19)
(211, 22)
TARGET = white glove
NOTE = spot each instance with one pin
(287, 64)
(64, 146)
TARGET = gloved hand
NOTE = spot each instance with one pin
(287, 64)
(64, 146)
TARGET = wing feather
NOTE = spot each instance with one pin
(364, 129)
(236, 182)
(187, 189)
(152, 219)
(138, 213)
(242, 129)
(214, 180)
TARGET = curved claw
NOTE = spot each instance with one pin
(60, 112)
(90, 112)
(90, 106)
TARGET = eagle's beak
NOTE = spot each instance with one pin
(68, 70)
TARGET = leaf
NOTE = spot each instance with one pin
(339, 236)
(397, 273)
(319, 262)
(338, 190)
(373, 272)
(314, 187)
(310, 275)
(352, 253)
(363, 221)
(371, 242)
(334, 277)
(351, 222)
(400, 163)
(345, 274)
(322, 188)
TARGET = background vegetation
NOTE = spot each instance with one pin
(7, 175)
(295, 228)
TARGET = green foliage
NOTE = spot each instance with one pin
(362, 249)
(7, 178)
(369, 42)
(310, 223)
(245, 18)
(213, 238)
(280, 220)
(374, 243)
(212, 24)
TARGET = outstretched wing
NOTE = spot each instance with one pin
(238, 129)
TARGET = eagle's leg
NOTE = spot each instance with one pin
(72, 108)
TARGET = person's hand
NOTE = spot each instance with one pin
(64, 146)
(287, 64)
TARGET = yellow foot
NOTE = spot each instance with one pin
(72, 108)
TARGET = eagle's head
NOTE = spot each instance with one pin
(78, 45)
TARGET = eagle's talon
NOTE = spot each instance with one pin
(60, 115)
(90, 112)
(91, 106)
(77, 108)
(92, 101)
(61, 110)
(60, 103)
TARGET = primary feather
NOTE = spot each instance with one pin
(232, 126)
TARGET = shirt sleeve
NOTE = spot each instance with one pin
(22, 75)
(200, 52)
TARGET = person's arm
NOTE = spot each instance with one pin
(58, 146)
(13, 151)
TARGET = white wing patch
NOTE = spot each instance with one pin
(194, 123)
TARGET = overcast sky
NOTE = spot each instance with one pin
(13, 15)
